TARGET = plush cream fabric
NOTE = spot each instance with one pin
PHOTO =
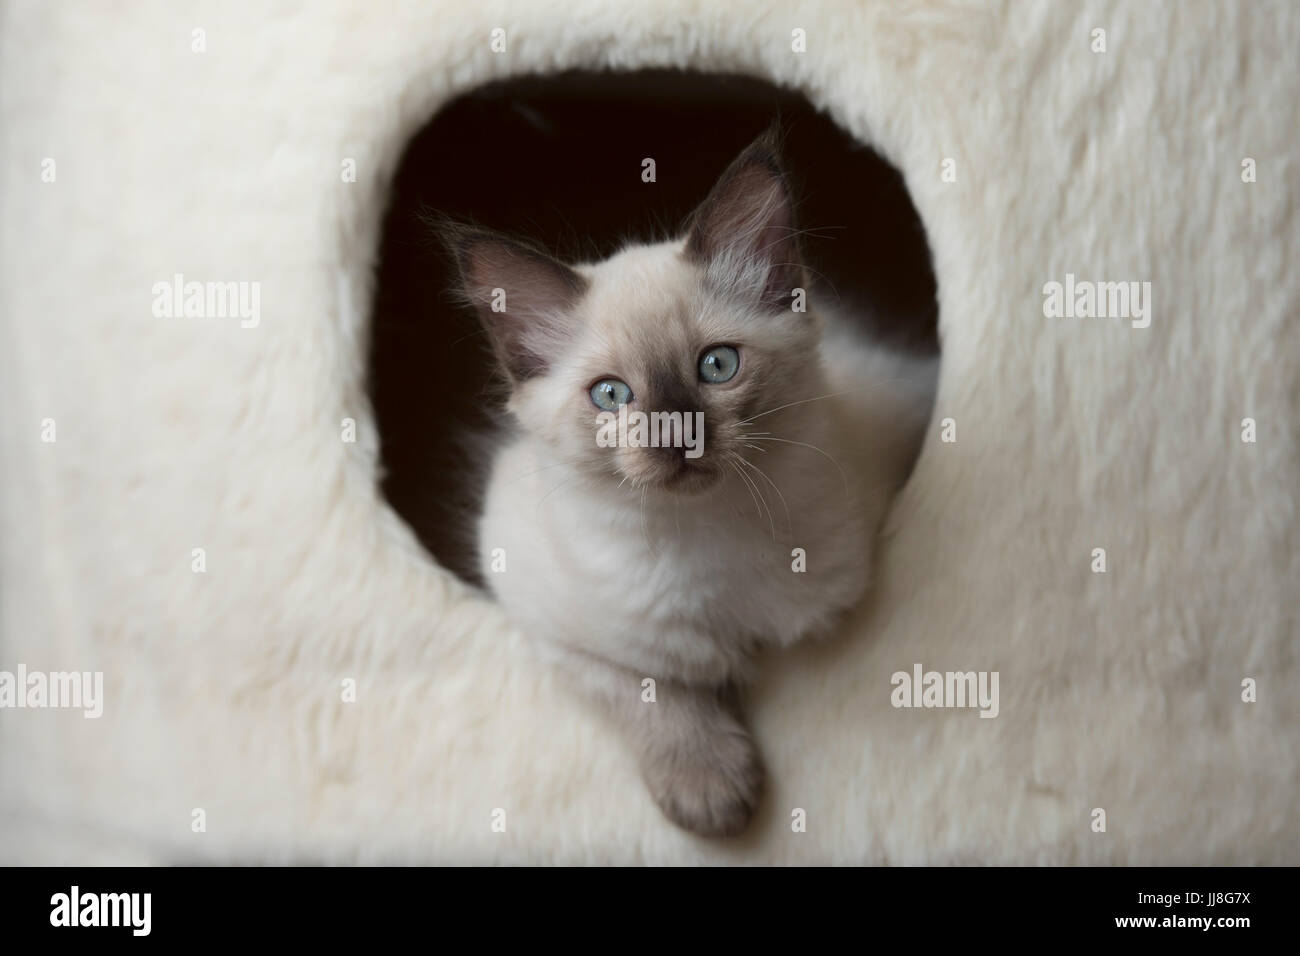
(1119, 691)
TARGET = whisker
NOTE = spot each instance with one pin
(804, 401)
(788, 523)
(771, 520)
(551, 492)
(848, 391)
(803, 444)
(734, 468)
(555, 464)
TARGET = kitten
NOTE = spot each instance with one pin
(627, 563)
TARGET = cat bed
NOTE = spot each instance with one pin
(192, 501)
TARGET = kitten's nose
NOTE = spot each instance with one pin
(677, 423)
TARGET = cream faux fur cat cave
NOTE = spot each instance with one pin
(1103, 514)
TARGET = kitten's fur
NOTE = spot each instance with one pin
(631, 563)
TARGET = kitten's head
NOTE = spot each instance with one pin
(703, 325)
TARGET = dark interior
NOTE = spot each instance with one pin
(558, 159)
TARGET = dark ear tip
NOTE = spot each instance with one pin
(764, 152)
(768, 148)
(462, 240)
(459, 236)
(448, 233)
(459, 239)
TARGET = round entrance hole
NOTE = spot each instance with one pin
(560, 160)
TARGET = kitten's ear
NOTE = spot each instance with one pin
(523, 297)
(743, 234)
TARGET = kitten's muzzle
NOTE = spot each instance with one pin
(675, 471)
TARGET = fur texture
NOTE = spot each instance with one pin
(1119, 691)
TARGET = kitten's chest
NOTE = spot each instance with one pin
(685, 588)
(728, 572)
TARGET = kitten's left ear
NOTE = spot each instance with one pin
(743, 234)
(523, 297)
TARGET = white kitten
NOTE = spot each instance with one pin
(627, 563)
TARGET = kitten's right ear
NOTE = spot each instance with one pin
(523, 297)
(744, 234)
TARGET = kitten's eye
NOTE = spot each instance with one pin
(609, 393)
(719, 364)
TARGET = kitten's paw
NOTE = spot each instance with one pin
(708, 783)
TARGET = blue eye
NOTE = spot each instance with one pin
(609, 393)
(719, 364)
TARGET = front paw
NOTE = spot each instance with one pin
(709, 782)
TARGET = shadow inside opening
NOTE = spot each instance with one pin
(559, 160)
